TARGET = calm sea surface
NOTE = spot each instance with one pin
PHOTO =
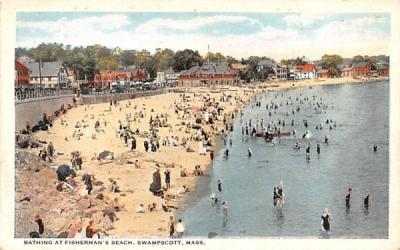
(361, 112)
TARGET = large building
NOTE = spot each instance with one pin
(361, 68)
(280, 72)
(306, 71)
(104, 79)
(48, 74)
(22, 73)
(208, 75)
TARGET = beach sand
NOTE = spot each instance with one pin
(134, 182)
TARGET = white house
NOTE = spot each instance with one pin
(48, 74)
(306, 71)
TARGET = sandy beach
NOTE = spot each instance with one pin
(174, 113)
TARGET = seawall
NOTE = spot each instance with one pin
(32, 110)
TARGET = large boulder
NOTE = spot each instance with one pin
(63, 171)
(28, 161)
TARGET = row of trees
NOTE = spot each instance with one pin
(91, 59)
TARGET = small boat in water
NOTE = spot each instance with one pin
(270, 135)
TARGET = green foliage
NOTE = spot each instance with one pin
(214, 57)
(331, 63)
(358, 58)
(163, 59)
(294, 61)
(185, 59)
(107, 63)
(127, 58)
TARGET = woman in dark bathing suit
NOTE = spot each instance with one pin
(325, 220)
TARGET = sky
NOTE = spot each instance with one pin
(275, 35)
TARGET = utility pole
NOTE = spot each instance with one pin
(40, 73)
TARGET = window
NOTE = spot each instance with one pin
(49, 78)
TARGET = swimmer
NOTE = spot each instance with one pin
(348, 194)
(325, 221)
(366, 200)
(219, 183)
(249, 152)
(280, 195)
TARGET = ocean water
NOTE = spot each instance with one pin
(361, 113)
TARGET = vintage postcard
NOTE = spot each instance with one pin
(224, 125)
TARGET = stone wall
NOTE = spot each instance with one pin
(32, 109)
(101, 98)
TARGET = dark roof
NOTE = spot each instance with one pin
(207, 69)
(48, 68)
(359, 64)
(265, 62)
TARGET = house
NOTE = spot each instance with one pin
(105, 79)
(323, 73)
(134, 73)
(346, 72)
(208, 75)
(382, 68)
(306, 71)
(361, 69)
(263, 64)
(171, 76)
(22, 73)
(280, 72)
(72, 79)
(292, 72)
(48, 74)
(160, 77)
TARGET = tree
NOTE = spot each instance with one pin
(150, 65)
(48, 52)
(127, 58)
(331, 63)
(164, 59)
(107, 63)
(358, 58)
(186, 59)
(217, 57)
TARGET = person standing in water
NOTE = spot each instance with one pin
(171, 226)
(325, 220)
(225, 208)
(219, 184)
(318, 149)
(308, 152)
(280, 200)
(249, 152)
(180, 229)
(348, 194)
(326, 139)
(366, 200)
